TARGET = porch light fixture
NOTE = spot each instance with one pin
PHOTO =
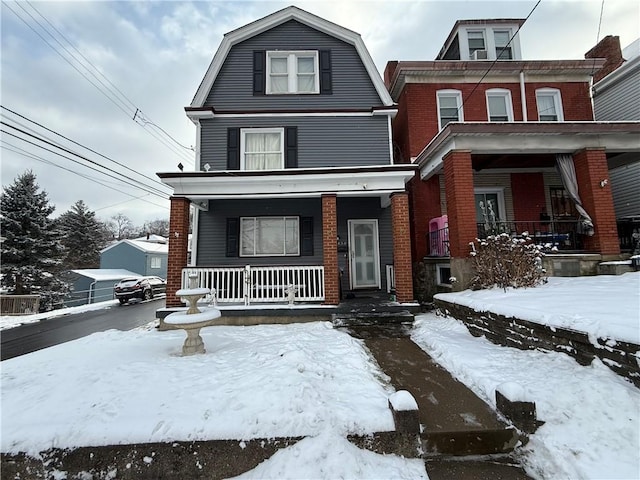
(206, 167)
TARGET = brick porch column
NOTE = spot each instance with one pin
(178, 244)
(330, 249)
(402, 246)
(461, 207)
(591, 168)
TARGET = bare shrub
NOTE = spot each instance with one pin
(504, 261)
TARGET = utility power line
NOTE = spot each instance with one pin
(106, 87)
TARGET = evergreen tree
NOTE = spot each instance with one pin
(31, 248)
(83, 236)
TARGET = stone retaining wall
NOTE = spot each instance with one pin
(621, 357)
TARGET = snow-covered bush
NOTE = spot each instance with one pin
(504, 261)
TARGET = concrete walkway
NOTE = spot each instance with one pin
(456, 423)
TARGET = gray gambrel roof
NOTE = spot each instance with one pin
(270, 21)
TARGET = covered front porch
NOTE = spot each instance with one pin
(493, 178)
(269, 240)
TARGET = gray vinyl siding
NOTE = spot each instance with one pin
(322, 141)
(212, 230)
(212, 226)
(625, 186)
(233, 87)
(620, 100)
(124, 256)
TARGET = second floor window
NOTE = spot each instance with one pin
(503, 49)
(549, 105)
(499, 107)
(292, 72)
(262, 149)
(449, 107)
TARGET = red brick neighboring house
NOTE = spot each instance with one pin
(486, 129)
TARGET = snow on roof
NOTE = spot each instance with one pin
(145, 246)
(105, 273)
(153, 238)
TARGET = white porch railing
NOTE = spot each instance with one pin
(259, 284)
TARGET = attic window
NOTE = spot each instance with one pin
(476, 41)
(503, 49)
(292, 72)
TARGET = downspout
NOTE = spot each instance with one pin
(91, 287)
(523, 97)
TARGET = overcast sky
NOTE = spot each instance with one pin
(153, 55)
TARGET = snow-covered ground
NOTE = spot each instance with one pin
(312, 380)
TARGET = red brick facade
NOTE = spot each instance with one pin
(608, 48)
(425, 205)
(591, 169)
(330, 250)
(402, 246)
(461, 208)
(178, 246)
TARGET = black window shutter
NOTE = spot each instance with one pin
(291, 150)
(233, 237)
(306, 236)
(233, 148)
(326, 87)
(259, 68)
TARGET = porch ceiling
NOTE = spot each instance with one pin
(526, 144)
(291, 183)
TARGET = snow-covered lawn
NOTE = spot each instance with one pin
(592, 415)
(312, 380)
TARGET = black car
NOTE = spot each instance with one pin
(143, 288)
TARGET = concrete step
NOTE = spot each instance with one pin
(474, 469)
(343, 319)
(454, 420)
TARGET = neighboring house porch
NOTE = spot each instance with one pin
(490, 178)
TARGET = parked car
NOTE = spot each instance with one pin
(143, 288)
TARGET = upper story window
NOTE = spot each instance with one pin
(262, 148)
(501, 39)
(499, 105)
(156, 262)
(549, 105)
(292, 72)
(476, 42)
(449, 107)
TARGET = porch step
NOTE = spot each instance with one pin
(348, 319)
(615, 268)
(454, 420)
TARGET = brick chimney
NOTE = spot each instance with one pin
(389, 70)
(609, 49)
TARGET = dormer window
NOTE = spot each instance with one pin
(501, 39)
(292, 72)
(476, 42)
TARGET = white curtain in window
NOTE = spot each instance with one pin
(546, 107)
(270, 236)
(564, 163)
(263, 151)
(306, 74)
(279, 75)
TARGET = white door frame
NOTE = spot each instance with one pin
(376, 253)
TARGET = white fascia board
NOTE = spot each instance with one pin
(290, 13)
(293, 185)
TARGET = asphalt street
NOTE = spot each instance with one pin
(46, 333)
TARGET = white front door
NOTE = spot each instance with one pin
(364, 256)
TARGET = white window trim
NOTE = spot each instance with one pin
(502, 211)
(484, 40)
(156, 262)
(292, 71)
(243, 133)
(284, 219)
(495, 46)
(450, 93)
(557, 101)
(504, 93)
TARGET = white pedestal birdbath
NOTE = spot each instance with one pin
(194, 318)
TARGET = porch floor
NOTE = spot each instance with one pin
(355, 308)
